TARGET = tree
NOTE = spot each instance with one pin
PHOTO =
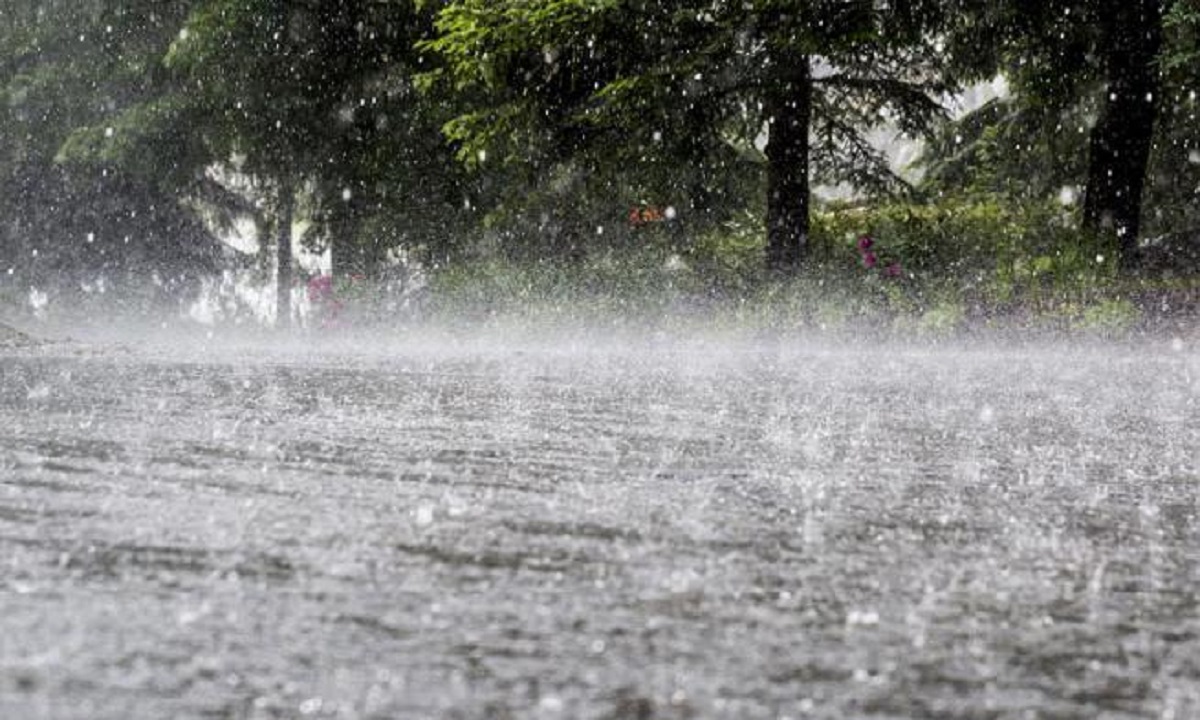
(253, 70)
(68, 70)
(1088, 93)
(1174, 172)
(1130, 39)
(634, 88)
(320, 96)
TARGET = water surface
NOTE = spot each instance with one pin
(695, 531)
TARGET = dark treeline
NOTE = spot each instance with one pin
(135, 133)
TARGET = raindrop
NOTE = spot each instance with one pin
(347, 194)
(862, 617)
(551, 704)
(311, 706)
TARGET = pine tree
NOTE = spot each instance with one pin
(634, 88)
(67, 72)
(321, 96)
(1091, 105)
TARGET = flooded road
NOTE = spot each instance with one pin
(661, 532)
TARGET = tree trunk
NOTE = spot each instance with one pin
(1121, 140)
(348, 255)
(789, 109)
(283, 256)
(345, 256)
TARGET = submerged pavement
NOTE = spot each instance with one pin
(712, 530)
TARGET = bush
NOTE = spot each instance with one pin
(928, 270)
(1109, 317)
(992, 253)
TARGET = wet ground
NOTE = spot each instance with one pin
(776, 531)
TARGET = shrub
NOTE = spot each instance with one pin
(916, 270)
(990, 251)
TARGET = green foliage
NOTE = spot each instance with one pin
(1063, 64)
(607, 288)
(987, 251)
(1182, 21)
(1012, 148)
(729, 257)
(322, 96)
(80, 206)
(1109, 317)
(504, 144)
(664, 103)
(245, 63)
(965, 265)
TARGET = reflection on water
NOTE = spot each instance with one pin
(662, 533)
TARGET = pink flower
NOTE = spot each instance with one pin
(864, 243)
(326, 306)
(892, 270)
(869, 259)
(320, 288)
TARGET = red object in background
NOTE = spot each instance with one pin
(325, 304)
(643, 215)
(320, 288)
(871, 261)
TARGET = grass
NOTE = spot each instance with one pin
(935, 271)
(930, 271)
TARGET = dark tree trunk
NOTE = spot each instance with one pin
(1121, 140)
(346, 255)
(352, 253)
(789, 109)
(283, 256)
